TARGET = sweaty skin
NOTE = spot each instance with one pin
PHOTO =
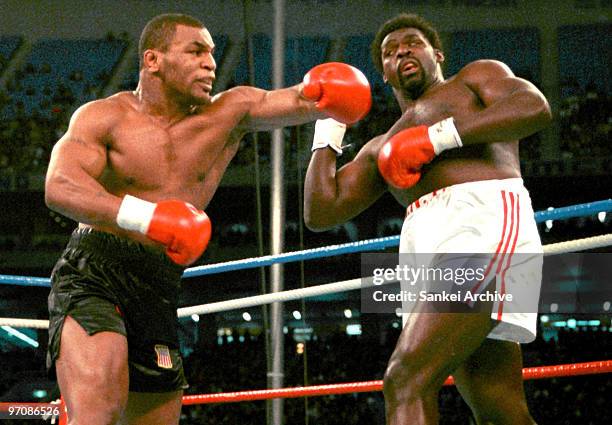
(167, 140)
(492, 108)
(453, 97)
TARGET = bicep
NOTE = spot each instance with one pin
(76, 154)
(277, 108)
(359, 183)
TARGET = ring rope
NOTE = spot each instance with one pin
(562, 213)
(317, 290)
(539, 372)
(327, 251)
(571, 211)
(353, 284)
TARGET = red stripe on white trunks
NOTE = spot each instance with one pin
(423, 200)
(475, 289)
(510, 253)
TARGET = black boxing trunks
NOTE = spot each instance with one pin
(108, 283)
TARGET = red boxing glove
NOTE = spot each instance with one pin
(181, 227)
(402, 156)
(340, 90)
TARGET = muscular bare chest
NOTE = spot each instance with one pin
(475, 162)
(184, 160)
(452, 99)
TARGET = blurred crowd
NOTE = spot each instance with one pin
(239, 365)
(37, 99)
(585, 119)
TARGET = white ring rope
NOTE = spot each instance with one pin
(313, 291)
(24, 323)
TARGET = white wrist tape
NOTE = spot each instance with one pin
(135, 214)
(328, 132)
(443, 135)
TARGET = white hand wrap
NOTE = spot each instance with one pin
(135, 214)
(443, 135)
(328, 132)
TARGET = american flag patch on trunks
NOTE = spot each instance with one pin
(164, 360)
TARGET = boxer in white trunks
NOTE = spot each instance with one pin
(458, 136)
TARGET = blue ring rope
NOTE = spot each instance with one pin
(562, 213)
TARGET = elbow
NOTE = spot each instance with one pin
(54, 194)
(318, 221)
(52, 198)
(313, 223)
(541, 112)
(545, 113)
(316, 227)
(313, 207)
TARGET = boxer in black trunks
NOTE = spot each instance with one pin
(107, 283)
(130, 169)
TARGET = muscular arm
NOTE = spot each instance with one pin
(267, 110)
(77, 161)
(331, 196)
(513, 107)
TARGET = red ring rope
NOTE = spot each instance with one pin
(539, 372)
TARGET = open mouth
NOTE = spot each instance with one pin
(408, 68)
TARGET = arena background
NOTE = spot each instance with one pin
(55, 55)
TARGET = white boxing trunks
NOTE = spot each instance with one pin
(492, 217)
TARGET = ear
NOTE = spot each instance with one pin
(439, 55)
(151, 59)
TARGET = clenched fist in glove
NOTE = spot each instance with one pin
(402, 156)
(181, 227)
(339, 90)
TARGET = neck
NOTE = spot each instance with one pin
(406, 97)
(155, 100)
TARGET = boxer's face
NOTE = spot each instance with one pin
(187, 68)
(409, 60)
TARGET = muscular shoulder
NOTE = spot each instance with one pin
(240, 95)
(101, 112)
(484, 69)
(96, 119)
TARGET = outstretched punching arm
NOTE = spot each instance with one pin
(332, 89)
